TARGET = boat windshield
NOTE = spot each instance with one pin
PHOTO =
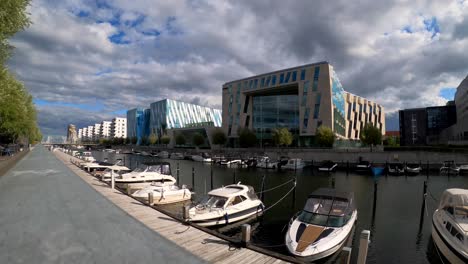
(163, 169)
(139, 169)
(214, 202)
(326, 212)
(322, 220)
(455, 202)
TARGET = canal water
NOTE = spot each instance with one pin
(393, 214)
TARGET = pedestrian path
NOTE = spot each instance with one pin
(49, 215)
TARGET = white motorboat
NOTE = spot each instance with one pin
(363, 166)
(449, 167)
(164, 194)
(328, 166)
(294, 164)
(204, 157)
(464, 168)
(96, 166)
(412, 169)
(163, 154)
(177, 156)
(265, 163)
(450, 225)
(395, 169)
(149, 172)
(226, 205)
(116, 170)
(323, 226)
(86, 156)
(232, 163)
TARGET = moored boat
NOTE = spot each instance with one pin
(449, 167)
(395, 169)
(412, 169)
(450, 225)
(148, 172)
(328, 166)
(177, 156)
(323, 226)
(265, 163)
(226, 205)
(294, 164)
(363, 166)
(164, 194)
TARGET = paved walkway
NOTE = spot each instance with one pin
(49, 215)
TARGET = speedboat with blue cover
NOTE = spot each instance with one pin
(323, 226)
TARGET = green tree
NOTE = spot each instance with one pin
(198, 139)
(13, 18)
(219, 137)
(153, 139)
(371, 135)
(180, 139)
(165, 140)
(247, 138)
(325, 136)
(282, 137)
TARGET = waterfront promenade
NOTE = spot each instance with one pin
(50, 215)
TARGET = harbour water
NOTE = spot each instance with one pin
(392, 214)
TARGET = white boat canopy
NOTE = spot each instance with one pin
(455, 201)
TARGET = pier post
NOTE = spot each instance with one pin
(185, 212)
(345, 256)
(178, 173)
(150, 198)
(112, 180)
(129, 189)
(193, 178)
(333, 182)
(245, 239)
(363, 246)
(211, 177)
(262, 194)
(423, 205)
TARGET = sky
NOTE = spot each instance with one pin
(86, 61)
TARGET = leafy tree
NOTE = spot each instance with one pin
(198, 139)
(13, 18)
(180, 139)
(153, 139)
(247, 138)
(133, 140)
(165, 140)
(219, 137)
(325, 136)
(371, 135)
(282, 137)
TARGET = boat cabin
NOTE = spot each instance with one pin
(328, 207)
(455, 203)
(228, 196)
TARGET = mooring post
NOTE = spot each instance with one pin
(262, 195)
(129, 189)
(245, 234)
(345, 256)
(178, 169)
(363, 246)
(150, 198)
(193, 178)
(185, 212)
(112, 181)
(423, 205)
(211, 177)
(333, 182)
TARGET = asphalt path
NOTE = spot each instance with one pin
(50, 215)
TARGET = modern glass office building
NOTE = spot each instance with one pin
(138, 120)
(169, 114)
(301, 99)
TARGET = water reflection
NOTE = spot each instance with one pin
(389, 206)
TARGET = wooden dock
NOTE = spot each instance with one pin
(200, 243)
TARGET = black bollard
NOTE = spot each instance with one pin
(421, 218)
(178, 173)
(193, 178)
(262, 194)
(333, 182)
(211, 175)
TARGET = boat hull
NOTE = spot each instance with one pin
(231, 218)
(445, 248)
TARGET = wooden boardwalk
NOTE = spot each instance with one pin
(206, 246)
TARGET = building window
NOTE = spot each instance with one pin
(318, 99)
(316, 111)
(306, 86)
(314, 86)
(262, 82)
(273, 80)
(303, 72)
(255, 83)
(304, 100)
(251, 84)
(267, 83)
(306, 117)
(281, 80)
(294, 76)
(349, 112)
(287, 77)
(316, 73)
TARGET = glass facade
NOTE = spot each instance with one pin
(275, 111)
(339, 124)
(138, 121)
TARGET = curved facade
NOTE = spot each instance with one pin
(461, 103)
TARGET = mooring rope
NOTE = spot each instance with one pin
(282, 198)
(274, 188)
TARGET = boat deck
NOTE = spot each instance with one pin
(208, 247)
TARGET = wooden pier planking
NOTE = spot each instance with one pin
(199, 243)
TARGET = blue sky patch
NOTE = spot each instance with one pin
(448, 93)
(103, 71)
(93, 107)
(118, 38)
(407, 29)
(82, 13)
(136, 22)
(432, 26)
